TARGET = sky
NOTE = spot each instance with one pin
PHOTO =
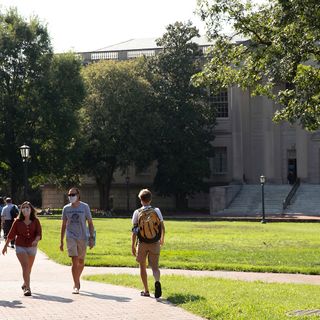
(80, 25)
(89, 25)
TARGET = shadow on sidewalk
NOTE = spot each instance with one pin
(40, 296)
(15, 304)
(104, 296)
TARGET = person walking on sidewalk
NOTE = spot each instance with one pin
(74, 217)
(8, 214)
(148, 227)
(26, 230)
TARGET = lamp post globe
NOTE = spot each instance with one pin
(262, 182)
(25, 153)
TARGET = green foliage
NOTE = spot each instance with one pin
(187, 121)
(118, 121)
(25, 54)
(241, 246)
(279, 48)
(39, 96)
(213, 298)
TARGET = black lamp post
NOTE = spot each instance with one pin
(25, 152)
(127, 186)
(262, 182)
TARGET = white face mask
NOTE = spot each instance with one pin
(26, 211)
(73, 199)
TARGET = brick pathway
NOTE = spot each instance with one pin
(51, 286)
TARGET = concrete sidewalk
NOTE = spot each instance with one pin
(51, 286)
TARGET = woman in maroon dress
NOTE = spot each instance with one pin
(26, 230)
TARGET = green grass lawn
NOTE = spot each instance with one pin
(245, 246)
(228, 299)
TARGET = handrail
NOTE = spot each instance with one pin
(291, 194)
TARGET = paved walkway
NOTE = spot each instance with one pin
(52, 297)
(51, 286)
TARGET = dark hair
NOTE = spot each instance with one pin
(77, 191)
(33, 214)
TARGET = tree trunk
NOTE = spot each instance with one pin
(104, 186)
(181, 201)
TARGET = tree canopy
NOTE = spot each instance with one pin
(39, 93)
(186, 130)
(118, 121)
(273, 49)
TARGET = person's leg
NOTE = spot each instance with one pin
(75, 272)
(24, 261)
(80, 269)
(30, 264)
(82, 250)
(144, 275)
(141, 259)
(153, 258)
(6, 229)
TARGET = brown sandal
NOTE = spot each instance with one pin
(145, 293)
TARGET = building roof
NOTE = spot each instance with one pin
(145, 44)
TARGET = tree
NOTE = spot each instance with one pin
(25, 54)
(39, 94)
(279, 57)
(55, 123)
(118, 122)
(187, 121)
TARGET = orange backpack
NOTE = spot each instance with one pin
(149, 225)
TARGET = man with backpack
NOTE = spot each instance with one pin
(148, 229)
(8, 214)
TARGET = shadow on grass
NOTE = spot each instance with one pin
(183, 298)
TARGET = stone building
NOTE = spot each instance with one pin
(247, 144)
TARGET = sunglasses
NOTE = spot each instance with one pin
(72, 194)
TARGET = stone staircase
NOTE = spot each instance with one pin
(248, 201)
(306, 200)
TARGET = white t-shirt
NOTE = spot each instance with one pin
(5, 213)
(76, 220)
(136, 214)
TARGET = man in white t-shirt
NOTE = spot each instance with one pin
(7, 219)
(149, 241)
(75, 215)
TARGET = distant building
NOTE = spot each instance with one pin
(247, 144)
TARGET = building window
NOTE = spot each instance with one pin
(220, 103)
(219, 161)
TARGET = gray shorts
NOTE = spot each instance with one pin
(76, 248)
(30, 251)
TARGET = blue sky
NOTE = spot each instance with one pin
(80, 25)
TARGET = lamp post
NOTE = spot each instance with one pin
(25, 152)
(262, 182)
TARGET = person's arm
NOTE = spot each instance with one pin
(91, 231)
(134, 233)
(162, 233)
(63, 231)
(133, 244)
(38, 234)
(11, 235)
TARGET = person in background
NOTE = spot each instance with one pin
(2, 204)
(7, 218)
(74, 218)
(27, 232)
(148, 227)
